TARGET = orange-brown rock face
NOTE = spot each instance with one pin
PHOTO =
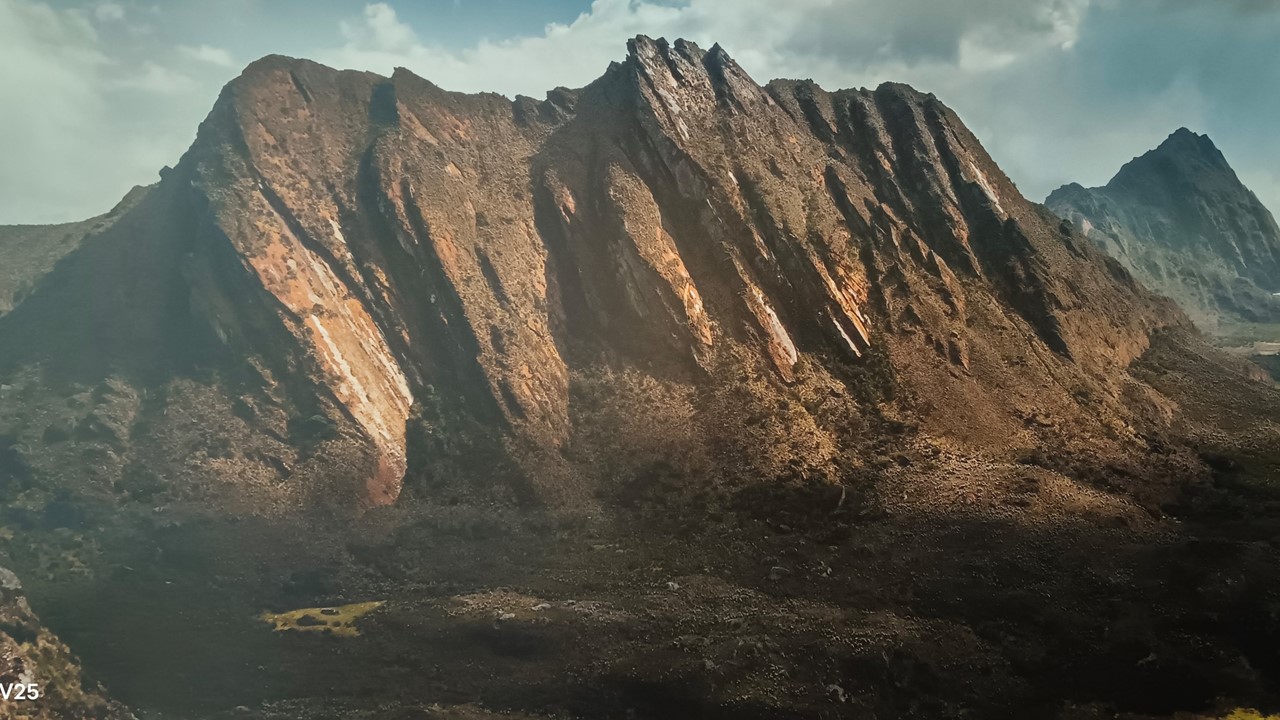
(391, 225)
(382, 245)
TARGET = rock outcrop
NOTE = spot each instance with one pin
(31, 656)
(1180, 219)
(346, 267)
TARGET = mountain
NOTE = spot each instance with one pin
(674, 395)
(357, 255)
(1184, 224)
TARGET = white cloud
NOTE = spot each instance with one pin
(1058, 90)
(81, 123)
(154, 78)
(843, 39)
(208, 54)
(572, 54)
(108, 12)
(47, 67)
(379, 30)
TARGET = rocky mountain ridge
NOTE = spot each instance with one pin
(28, 252)
(369, 242)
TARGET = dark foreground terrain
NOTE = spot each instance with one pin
(672, 396)
(935, 584)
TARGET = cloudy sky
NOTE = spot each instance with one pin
(97, 95)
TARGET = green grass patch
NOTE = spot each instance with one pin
(340, 621)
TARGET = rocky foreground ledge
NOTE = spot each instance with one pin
(42, 677)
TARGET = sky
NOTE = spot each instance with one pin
(97, 95)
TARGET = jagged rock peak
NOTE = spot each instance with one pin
(380, 249)
(1184, 154)
(1180, 218)
(682, 65)
(1186, 141)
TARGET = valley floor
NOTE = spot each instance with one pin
(1260, 342)
(946, 585)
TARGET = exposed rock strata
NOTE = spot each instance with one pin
(368, 254)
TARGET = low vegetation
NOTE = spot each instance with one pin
(340, 620)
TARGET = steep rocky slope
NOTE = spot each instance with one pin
(345, 260)
(1184, 224)
(29, 252)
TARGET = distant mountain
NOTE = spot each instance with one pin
(1184, 224)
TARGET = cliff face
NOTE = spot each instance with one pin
(346, 267)
(1184, 224)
